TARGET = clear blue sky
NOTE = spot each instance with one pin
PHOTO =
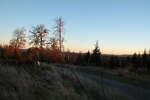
(120, 26)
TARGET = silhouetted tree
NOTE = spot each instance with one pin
(79, 59)
(135, 60)
(18, 40)
(114, 62)
(148, 61)
(144, 59)
(38, 35)
(96, 56)
(87, 58)
(1, 52)
(70, 57)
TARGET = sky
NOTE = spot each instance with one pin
(120, 26)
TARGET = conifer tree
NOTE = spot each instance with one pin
(87, 58)
(96, 56)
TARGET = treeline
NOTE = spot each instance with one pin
(11, 55)
(135, 62)
(50, 49)
(44, 47)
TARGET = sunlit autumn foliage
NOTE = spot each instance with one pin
(9, 54)
(55, 53)
(44, 48)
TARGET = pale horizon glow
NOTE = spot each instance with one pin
(120, 26)
(84, 49)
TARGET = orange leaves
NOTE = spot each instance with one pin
(26, 56)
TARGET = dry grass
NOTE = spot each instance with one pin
(48, 82)
(121, 74)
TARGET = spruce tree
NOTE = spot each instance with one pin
(96, 56)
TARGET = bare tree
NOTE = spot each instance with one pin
(38, 35)
(59, 31)
(18, 40)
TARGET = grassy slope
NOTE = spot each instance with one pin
(48, 82)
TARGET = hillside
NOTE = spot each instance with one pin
(51, 82)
